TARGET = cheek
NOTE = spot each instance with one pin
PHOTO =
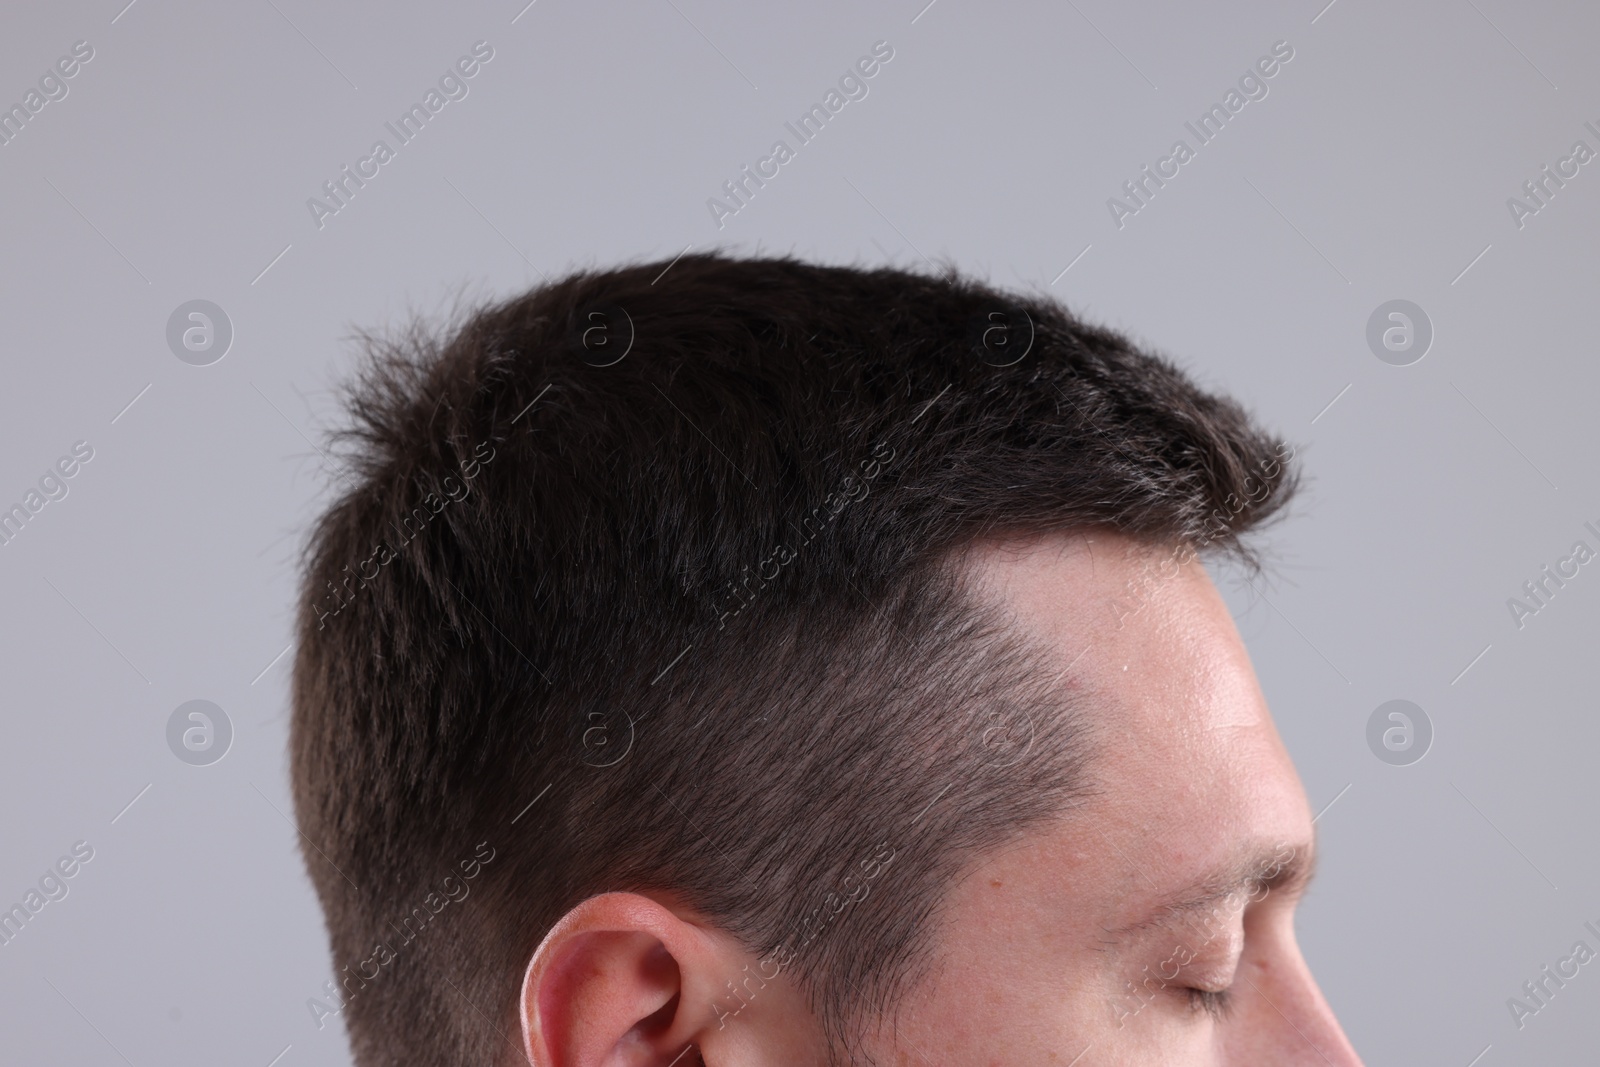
(1003, 987)
(988, 1023)
(1020, 1001)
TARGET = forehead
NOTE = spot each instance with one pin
(1189, 763)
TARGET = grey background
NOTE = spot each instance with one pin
(1378, 167)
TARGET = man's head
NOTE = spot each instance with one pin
(783, 662)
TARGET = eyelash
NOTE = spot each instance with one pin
(1214, 1002)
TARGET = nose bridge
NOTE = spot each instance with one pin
(1292, 1008)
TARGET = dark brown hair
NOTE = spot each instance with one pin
(642, 581)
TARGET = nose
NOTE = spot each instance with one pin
(1288, 1021)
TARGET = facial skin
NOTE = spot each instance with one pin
(1069, 946)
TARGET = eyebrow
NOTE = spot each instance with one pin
(1254, 868)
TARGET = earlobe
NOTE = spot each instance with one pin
(621, 979)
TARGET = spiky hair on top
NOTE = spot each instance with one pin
(641, 581)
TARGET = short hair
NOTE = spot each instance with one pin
(645, 581)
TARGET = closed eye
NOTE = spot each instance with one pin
(1214, 1002)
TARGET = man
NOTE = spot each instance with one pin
(747, 662)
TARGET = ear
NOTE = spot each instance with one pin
(625, 980)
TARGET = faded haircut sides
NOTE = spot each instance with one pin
(643, 581)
